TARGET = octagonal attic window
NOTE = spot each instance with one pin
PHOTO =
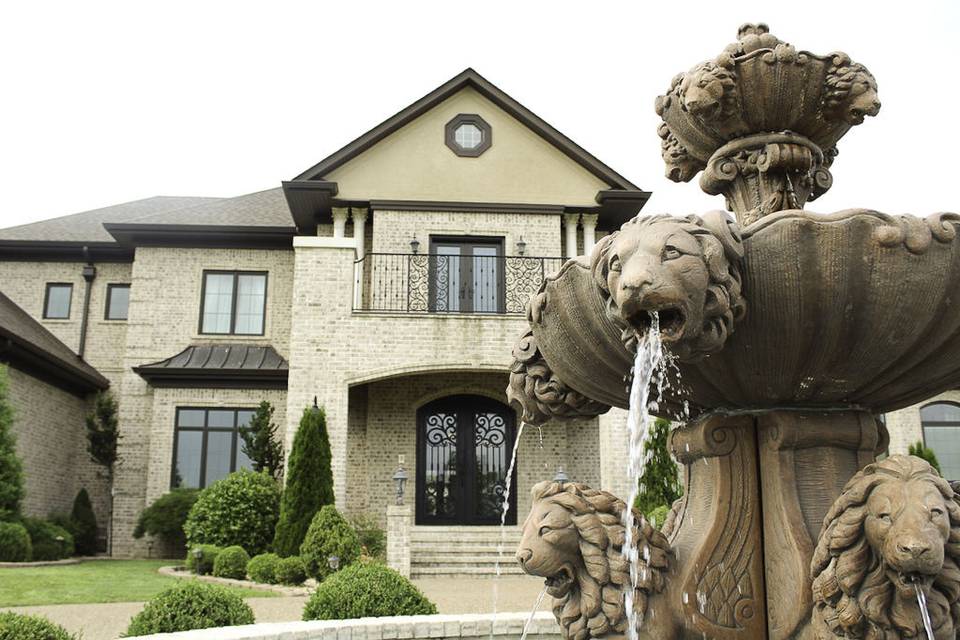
(468, 135)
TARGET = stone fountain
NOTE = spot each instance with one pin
(792, 332)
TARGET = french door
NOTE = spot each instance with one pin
(466, 275)
(464, 445)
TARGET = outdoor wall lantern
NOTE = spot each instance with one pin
(198, 554)
(333, 562)
(561, 476)
(150, 548)
(414, 245)
(400, 479)
(521, 246)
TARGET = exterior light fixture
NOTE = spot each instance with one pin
(400, 479)
(561, 476)
(414, 245)
(198, 556)
(333, 562)
(521, 246)
(150, 548)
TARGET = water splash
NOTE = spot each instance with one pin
(649, 362)
(536, 607)
(924, 613)
(503, 520)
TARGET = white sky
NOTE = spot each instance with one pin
(109, 102)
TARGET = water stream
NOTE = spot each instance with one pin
(536, 607)
(503, 518)
(924, 613)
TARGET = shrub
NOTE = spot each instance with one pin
(291, 571)
(263, 568)
(660, 482)
(366, 589)
(922, 451)
(261, 444)
(231, 563)
(49, 542)
(658, 516)
(309, 482)
(166, 516)
(14, 626)
(84, 528)
(11, 469)
(329, 535)
(208, 556)
(190, 605)
(14, 543)
(240, 509)
(373, 539)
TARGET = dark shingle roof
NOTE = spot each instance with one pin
(28, 345)
(260, 209)
(231, 366)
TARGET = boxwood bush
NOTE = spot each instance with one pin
(190, 605)
(366, 589)
(241, 509)
(329, 535)
(263, 568)
(231, 563)
(49, 541)
(14, 543)
(291, 571)
(14, 626)
(208, 556)
(166, 516)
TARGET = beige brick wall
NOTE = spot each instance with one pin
(905, 427)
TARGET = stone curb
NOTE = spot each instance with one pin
(180, 572)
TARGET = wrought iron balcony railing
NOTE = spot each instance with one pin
(438, 283)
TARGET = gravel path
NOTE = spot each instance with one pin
(452, 595)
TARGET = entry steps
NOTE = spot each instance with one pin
(449, 551)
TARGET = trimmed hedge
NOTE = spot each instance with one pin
(241, 509)
(329, 535)
(208, 556)
(84, 527)
(231, 563)
(43, 540)
(291, 571)
(366, 589)
(15, 626)
(190, 605)
(263, 568)
(15, 543)
(166, 516)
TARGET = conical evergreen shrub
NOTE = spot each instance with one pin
(11, 469)
(309, 482)
(85, 524)
(660, 483)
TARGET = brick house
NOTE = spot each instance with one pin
(388, 282)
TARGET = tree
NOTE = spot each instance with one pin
(84, 524)
(922, 451)
(660, 482)
(309, 482)
(103, 436)
(261, 444)
(11, 469)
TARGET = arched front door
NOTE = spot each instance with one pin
(464, 444)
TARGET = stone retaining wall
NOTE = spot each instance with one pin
(505, 626)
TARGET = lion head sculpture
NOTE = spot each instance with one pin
(709, 92)
(574, 538)
(851, 92)
(685, 269)
(895, 524)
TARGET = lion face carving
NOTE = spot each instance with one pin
(709, 92)
(851, 93)
(895, 524)
(684, 269)
(573, 537)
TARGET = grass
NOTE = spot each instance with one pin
(94, 581)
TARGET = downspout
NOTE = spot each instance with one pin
(89, 273)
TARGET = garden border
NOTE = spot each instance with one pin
(179, 571)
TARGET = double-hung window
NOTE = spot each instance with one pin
(233, 302)
(207, 445)
(56, 300)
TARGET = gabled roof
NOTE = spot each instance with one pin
(27, 345)
(231, 366)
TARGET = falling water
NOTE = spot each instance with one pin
(503, 519)
(649, 361)
(536, 607)
(924, 613)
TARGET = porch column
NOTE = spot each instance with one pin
(340, 221)
(399, 523)
(589, 231)
(359, 235)
(570, 228)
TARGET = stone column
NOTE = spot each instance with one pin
(570, 230)
(359, 235)
(399, 523)
(589, 221)
(340, 221)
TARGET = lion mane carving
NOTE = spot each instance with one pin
(851, 92)
(685, 269)
(709, 92)
(895, 523)
(574, 538)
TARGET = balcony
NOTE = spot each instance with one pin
(448, 284)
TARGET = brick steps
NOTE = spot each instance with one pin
(447, 551)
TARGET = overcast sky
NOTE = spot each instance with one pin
(110, 102)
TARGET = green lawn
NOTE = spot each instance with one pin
(94, 581)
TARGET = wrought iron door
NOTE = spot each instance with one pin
(466, 276)
(464, 446)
